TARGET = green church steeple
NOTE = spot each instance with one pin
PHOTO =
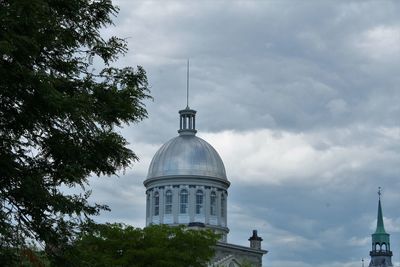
(380, 253)
(380, 236)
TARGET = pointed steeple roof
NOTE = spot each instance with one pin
(380, 227)
(380, 236)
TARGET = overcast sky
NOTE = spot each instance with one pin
(302, 101)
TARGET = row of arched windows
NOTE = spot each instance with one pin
(381, 247)
(184, 202)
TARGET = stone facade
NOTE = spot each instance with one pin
(230, 255)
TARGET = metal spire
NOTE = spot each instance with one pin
(362, 262)
(187, 85)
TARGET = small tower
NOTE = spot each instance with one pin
(381, 255)
(187, 125)
(255, 240)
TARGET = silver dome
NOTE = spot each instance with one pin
(187, 155)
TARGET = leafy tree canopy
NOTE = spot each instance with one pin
(159, 245)
(58, 114)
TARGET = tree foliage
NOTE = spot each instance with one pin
(158, 245)
(58, 114)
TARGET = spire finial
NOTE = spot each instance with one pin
(379, 192)
(187, 85)
(362, 262)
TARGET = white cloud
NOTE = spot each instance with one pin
(276, 238)
(361, 242)
(145, 152)
(380, 43)
(276, 157)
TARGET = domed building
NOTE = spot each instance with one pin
(187, 185)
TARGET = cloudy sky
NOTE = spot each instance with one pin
(302, 101)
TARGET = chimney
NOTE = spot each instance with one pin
(255, 240)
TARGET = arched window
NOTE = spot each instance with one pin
(183, 198)
(383, 247)
(168, 202)
(377, 247)
(223, 204)
(156, 204)
(213, 204)
(199, 202)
